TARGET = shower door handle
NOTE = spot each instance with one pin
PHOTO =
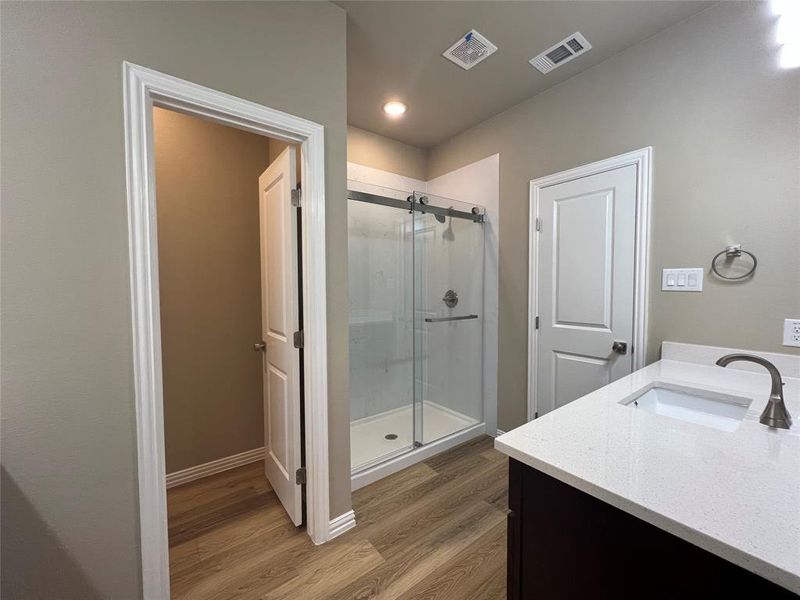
(443, 319)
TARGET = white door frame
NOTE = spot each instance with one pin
(144, 89)
(642, 159)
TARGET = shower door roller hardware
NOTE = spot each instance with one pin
(296, 196)
(300, 476)
(620, 347)
(260, 347)
(422, 201)
(450, 298)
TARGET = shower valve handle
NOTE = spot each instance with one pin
(450, 298)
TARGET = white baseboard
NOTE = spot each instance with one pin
(215, 466)
(341, 524)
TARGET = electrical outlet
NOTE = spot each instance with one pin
(791, 332)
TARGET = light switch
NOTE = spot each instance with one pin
(682, 280)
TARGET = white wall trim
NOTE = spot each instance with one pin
(642, 159)
(143, 89)
(342, 523)
(500, 432)
(213, 467)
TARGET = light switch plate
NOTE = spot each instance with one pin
(682, 280)
(791, 332)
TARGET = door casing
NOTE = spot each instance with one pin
(642, 159)
(143, 89)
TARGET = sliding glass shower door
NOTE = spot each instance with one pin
(448, 317)
(415, 316)
(381, 319)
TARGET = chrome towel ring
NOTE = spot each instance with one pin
(734, 252)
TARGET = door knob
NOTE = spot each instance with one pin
(260, 347)
(620, 347)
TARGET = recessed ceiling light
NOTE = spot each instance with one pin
(394, 108)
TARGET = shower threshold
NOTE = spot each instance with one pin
(376, 452)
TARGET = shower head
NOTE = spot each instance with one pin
(448, 234)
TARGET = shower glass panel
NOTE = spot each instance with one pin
(448, 318)
(416, 320)
(380, 261)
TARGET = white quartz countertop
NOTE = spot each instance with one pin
(735, 494)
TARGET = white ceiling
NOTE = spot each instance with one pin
(394, 52)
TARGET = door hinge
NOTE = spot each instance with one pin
(296, 195)
(300, 476)
(536, 323)
(299, 339)
(538, 224)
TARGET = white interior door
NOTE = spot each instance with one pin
(279, 321)
(585, 285)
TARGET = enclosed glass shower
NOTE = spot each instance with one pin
(416, 320)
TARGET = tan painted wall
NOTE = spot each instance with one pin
(210, 286)
(724, 122)
(69, 492)
(379, 152)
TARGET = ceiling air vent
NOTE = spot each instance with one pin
(470, 50)
(562, 52)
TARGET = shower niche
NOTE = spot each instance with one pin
(416, 325)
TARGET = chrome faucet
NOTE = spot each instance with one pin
(775, 413)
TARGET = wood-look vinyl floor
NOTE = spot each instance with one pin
(436, 531)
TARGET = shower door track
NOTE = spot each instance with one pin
(406, 457)
(411, 205)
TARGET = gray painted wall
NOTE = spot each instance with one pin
(69, 495)
(724, 122)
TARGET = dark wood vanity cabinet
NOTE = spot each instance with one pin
(565, 543)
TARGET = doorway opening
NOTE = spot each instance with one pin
(291, 259)
(230, 305)
(588, 271)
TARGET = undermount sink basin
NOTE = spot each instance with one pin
(703, 407)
